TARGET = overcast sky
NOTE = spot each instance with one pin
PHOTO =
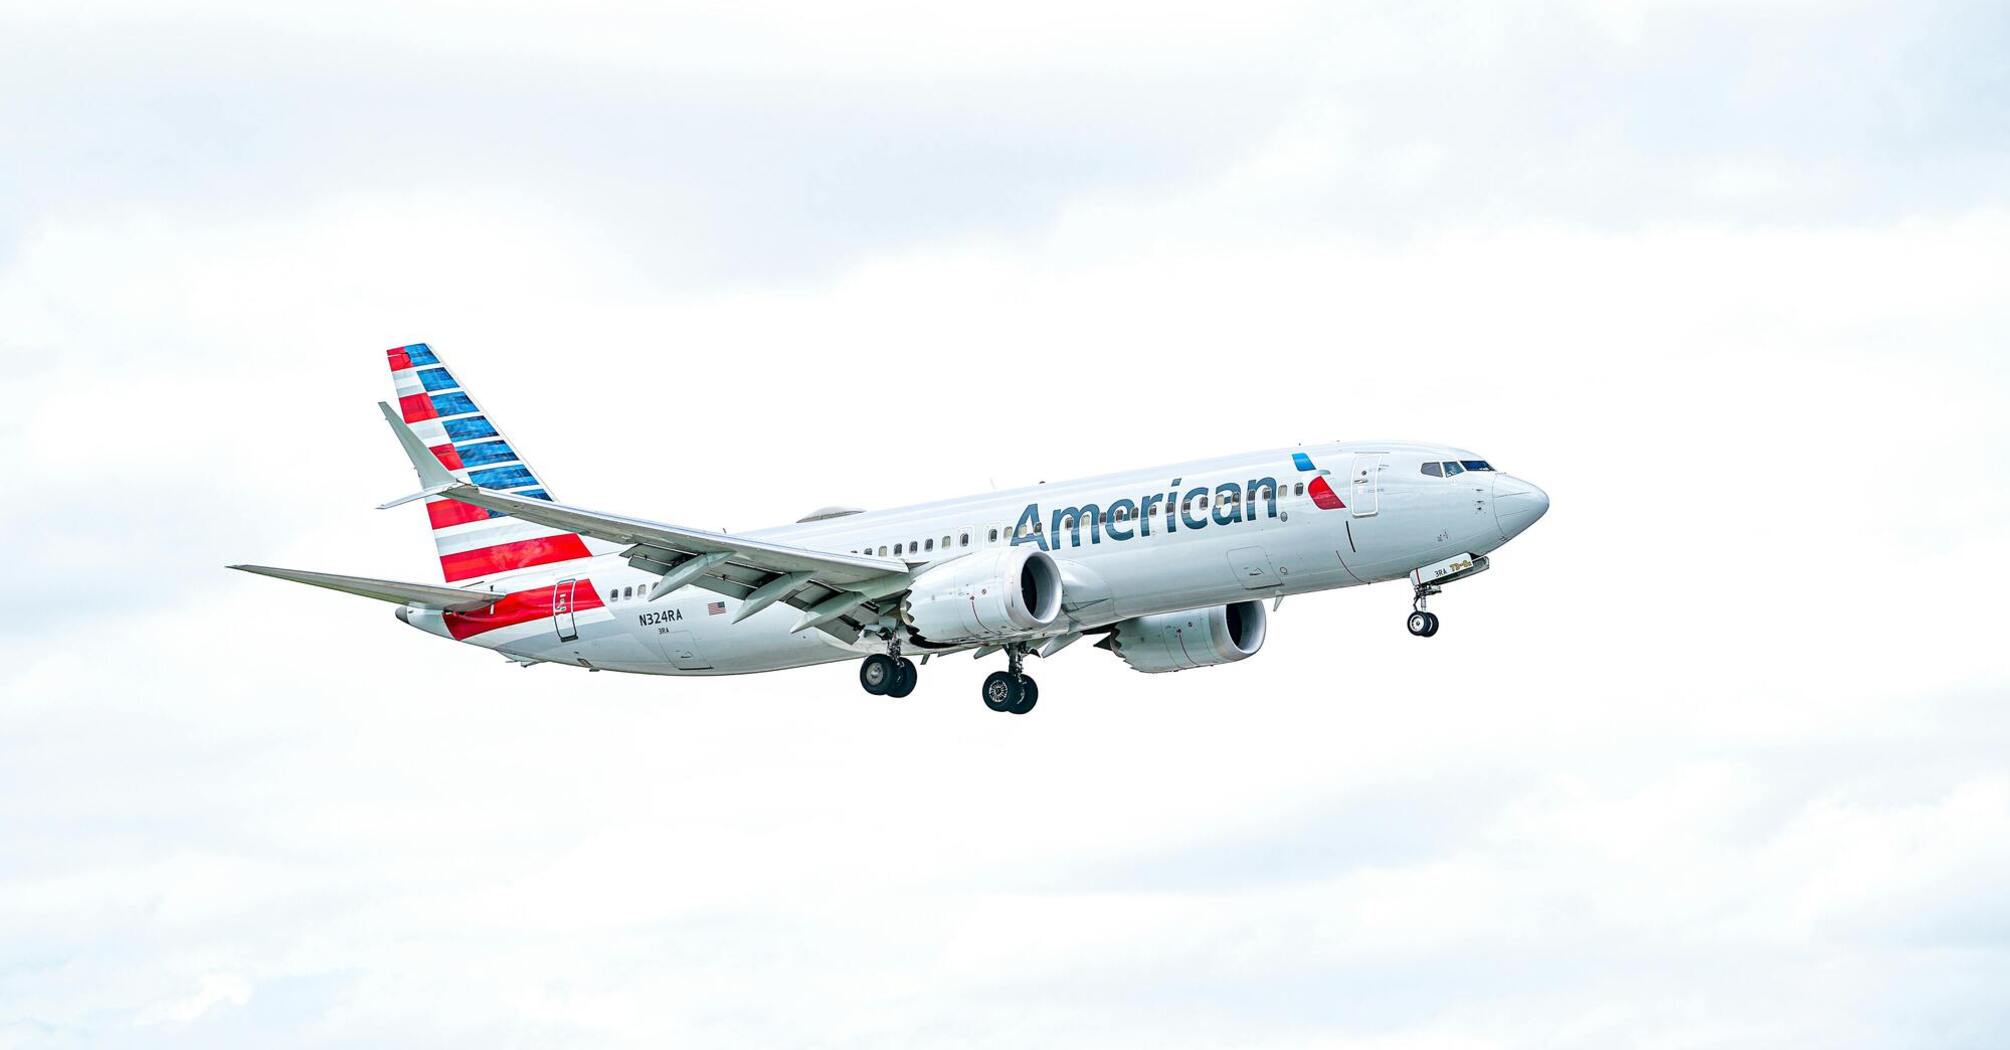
(1715, 756)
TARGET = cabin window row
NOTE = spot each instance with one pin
(924, 546)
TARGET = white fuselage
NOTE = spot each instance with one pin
(1124, 559)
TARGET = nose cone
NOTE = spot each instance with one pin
(1517, 504)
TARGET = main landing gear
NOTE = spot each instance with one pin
(1012, 690)
(1423, 624)
(888, 673)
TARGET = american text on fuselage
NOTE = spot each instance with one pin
(1129, 518)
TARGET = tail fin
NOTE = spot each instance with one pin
(475, 543)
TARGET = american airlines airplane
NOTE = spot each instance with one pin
(1167, 567)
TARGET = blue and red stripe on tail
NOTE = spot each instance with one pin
(475, 543)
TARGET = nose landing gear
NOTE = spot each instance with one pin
(1011, 690)
(1423, 623)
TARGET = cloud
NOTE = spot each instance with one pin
(1713, 755)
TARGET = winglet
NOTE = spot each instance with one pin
(432, 473)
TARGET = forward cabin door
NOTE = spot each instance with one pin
(1364, 488)
(561, 611)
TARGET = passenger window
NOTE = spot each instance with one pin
(994, 536)
(945, 543)
(896, 548)
(1453, 470)
(1298, 489)
(627, 593)
(1203, 503)
(963, 540)
(1435, 470)
(931, 544)
(882, 550)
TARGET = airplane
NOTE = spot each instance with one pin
(1167, 567)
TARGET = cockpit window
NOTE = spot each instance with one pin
(1434, 469)
(1474, 464)
(1453, 470)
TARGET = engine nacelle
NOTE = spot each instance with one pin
(985, 594)
(1218, 634)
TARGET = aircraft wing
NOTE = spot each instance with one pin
(452, 599)
(827, 586)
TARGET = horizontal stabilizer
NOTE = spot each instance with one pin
(450, 599)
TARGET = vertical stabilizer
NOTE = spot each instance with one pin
(474, 543)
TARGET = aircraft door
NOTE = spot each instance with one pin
(1364, 487)
(562, 619)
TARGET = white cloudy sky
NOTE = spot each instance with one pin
(1716, 756)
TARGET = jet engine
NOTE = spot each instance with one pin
(984, 595)
(1218, 634)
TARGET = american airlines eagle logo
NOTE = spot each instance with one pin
(1322, 494)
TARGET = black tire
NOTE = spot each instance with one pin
(1029, 694)
(904, 677)
(1001, 691)
(1432, 627)
(1420, 624)
(876, 675)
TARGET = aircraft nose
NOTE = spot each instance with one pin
(1517, 504)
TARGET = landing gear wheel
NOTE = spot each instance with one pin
(1431, 628)
(904, 677)
(1029, 694)
(877, 674)
(1422, 624)
(1002, 691)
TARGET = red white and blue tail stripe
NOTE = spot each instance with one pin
(475, 543)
